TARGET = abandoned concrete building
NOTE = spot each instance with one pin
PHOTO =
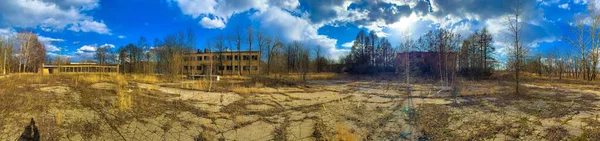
(80, 68)
(223, 63)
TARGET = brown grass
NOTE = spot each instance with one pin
(125, 102)
(556, 133)
(145, 78)
(344, 134)
(309, 76)
(244, 90)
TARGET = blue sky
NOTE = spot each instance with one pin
(76, 27)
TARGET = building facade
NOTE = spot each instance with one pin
(80, 68)
(222, 63)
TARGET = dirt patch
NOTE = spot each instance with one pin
(257, 131)
(59, 90)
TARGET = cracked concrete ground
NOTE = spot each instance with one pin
(323, 110)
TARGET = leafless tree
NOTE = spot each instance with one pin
(517, 51)
(31, 53)
(263, 42)
(250, 40)
(595, 39)
(579, 42)
(238, 44)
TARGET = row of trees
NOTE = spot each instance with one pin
(586, 41)
(475, 57)
(369, 55)
(22, 52)
(167, 56)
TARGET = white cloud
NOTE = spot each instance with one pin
(348, 44)
(220, 11)
(90, 26)
(564, 6)
(7, 32)
(212, 23)
(52, 48)
(292, 28)
(49, 43)
(121, 37)
(49, 15)
(107, 45)
(49, 39)
(87, 48)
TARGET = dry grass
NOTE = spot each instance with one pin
(244, 90)
(344, 134)
(145, 78)
(96, 78)
(434, 121)
(322, 76)
(556, 133)
(309, 76)
(353, 84)
(201, 85)
(125, 102)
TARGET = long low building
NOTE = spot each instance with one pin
(80, 68)
(223, 63)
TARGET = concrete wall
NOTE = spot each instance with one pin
(230, 64)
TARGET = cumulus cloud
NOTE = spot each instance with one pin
(121, 37)
(293, 28)
(212, 23)
(50, 15)
(348, 44)
(88, 51)
(90, 26)
(87, 48)
(564, 6)
(52, 48)
(49, 43)
(107, 46)
(221, 10)
(7, 32)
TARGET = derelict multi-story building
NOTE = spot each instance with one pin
(223, 63)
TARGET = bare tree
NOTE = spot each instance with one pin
(517, 51)
(263, 41)
(220, 47)
(32, 52)
(579, 42)
(250, 39)
(595, 39)
(102, 54)
(320, 60)
(238, 44)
